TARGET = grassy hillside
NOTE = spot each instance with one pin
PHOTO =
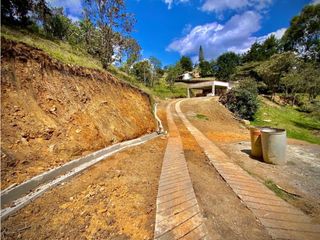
(298, 125)
(68, 54)
(56, 49)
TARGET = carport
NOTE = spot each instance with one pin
(211, 88)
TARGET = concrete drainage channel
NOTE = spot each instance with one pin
(15, 198)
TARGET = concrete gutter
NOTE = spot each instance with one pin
(16, 197)
(159, 123)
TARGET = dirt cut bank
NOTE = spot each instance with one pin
(52, 112)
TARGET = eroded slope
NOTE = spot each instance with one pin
(52, 113)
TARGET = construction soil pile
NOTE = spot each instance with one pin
(52, 113)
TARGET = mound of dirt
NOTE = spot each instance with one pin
(52, 112)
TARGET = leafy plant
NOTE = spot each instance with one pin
(242, 102)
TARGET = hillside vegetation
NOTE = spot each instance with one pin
(297, 124)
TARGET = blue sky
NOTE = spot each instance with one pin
(168, 29)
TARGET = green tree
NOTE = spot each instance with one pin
(131, 52)
(143, 71)
(226, 65)
(205, 69)
(303, 35)
(201, 55)
(250, 85)
(173, 72)
(272, 70)
(186, 63)
(254, 54)
(310, 73)
(112, 19)
(157, 71)
(270, 47)
(57, 25)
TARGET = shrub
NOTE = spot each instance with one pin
(242, 102)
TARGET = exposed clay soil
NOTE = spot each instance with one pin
(52, 113)
(301, 174)
(225, 215)
(115, 199)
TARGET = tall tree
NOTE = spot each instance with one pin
(226, 65)
(303, 35)
(186, 63)
(111, 18)
(201, 54)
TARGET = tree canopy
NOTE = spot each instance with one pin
(186, 64)
(226, 65)
(303, 35)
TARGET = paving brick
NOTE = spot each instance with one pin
(178, 214)
(271, 208)
(292, 235)
(168, 223)
(175, 185)
(199, 231)
(174, 202)
(255, 194)
(176, 195)
(281, 216)
(288, 225)
(169, 212)
(184, 228)
(277, 202)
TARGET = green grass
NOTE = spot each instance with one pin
(56, 49)
(279, 192)
(165, 91)
(202, 117)
(297, 124)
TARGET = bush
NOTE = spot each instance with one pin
(242, 102)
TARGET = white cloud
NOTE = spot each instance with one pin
(315, 1)
(278, 34)
(73, 18)
(220, 5)
(72, 7)
(171, 2)
(216, 38)
(235, 35)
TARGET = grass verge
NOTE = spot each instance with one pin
(297, 124)
(202, 117)
(279, 192)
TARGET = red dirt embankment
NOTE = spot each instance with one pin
(52, 112)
